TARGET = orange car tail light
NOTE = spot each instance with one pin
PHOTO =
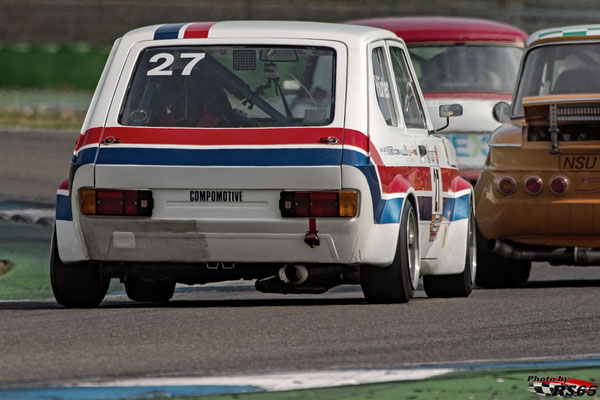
(319, 204)
(558, 185)
(507, 185)
(116, 202)
(533, 185)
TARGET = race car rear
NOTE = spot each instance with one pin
(209, 159)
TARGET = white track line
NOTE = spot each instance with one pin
(285, 381)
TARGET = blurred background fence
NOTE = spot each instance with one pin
(53, 51)
(99, 22)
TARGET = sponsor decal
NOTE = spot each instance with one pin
(394, 151)
(561, 386)
(579, 162)
(216, 195)
(434, 227)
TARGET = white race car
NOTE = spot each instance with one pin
(296, 154)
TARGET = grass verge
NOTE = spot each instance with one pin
(27, 247)
(27, 120)
(463, 385)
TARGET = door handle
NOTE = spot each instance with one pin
(111, 140)
(329, 140)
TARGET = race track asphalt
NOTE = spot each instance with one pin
(33, 163)
(232, 329)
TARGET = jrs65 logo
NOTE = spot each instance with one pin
(561, 386)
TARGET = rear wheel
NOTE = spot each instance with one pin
(397, 282)
(456, 285)
(80, 285)
(494, 271)
(149, 291)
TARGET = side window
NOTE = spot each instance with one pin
(383, 90)
(409, 100)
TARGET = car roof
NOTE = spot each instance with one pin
(566, 33)
(447, 29)
(258, 29)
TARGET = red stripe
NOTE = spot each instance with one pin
(199, 30)
(220, 137)
(448, 176)
(64, 184)
(356, 139)
(457, 184)
(418, 177)
(91, 136)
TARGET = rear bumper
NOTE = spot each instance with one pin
(152, 240)
(570, 220)
(181, 231)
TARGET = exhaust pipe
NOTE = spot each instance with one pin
(293, 274)
(554, 255)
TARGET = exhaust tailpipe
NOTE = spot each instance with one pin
(293, 274)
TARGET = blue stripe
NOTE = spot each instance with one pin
(384, 211)
(169, 31)
(63, 208)
(392, 209)
(457, 208)
(220, 157)
(461, 208)
(448, 212)
(354, 158)
(86, 156)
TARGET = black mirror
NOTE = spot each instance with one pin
(501, 112)
(447, 111)
(451, 110)
(279, 55)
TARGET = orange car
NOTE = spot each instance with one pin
(538, 198)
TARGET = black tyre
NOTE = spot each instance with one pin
(456, 285)
(397, 282)
(80, 285)
(149, 291)
(494, 271)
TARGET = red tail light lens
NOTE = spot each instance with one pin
(533, 185)
(507, 185)
(109, 202)
(559, 185)
(319, 204)
(301, 202)
(324, 204)
(116, 202)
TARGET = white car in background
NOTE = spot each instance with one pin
(469, 61)
(295, 154)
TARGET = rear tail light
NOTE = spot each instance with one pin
(319, 204)
(507, 185)
(533, 185)
(558, 185)
(116, 202)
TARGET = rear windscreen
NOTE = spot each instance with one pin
(231, 86)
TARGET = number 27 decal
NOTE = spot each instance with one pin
(168, 58)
